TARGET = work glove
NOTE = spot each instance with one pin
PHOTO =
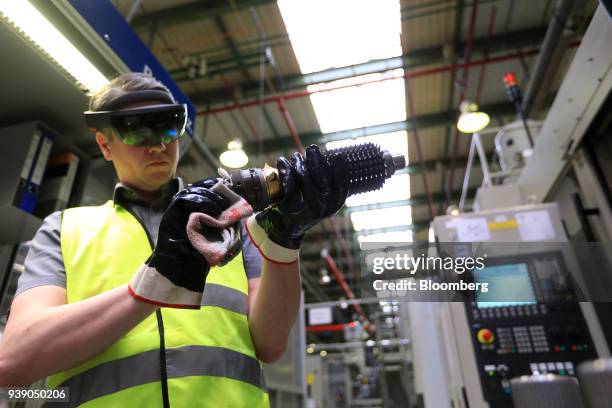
(175, 273)
(218, 238)
(314, 187)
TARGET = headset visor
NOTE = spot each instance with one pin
(142, 126)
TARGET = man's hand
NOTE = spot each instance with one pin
(313, 188)
(175, 273)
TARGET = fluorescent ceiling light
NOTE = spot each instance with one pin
(36, 28)
(382, 218)
(391, 238)
(338, 33)
(395, 188)
(348, 32)
(360, 106)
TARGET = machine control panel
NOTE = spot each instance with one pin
(543, 332)
(553, 339)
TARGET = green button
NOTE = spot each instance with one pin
(562, 372)
(562, 348)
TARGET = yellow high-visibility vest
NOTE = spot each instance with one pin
(208, 353)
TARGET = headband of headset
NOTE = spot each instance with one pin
(138, 96)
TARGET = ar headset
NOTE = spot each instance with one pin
(142, 126)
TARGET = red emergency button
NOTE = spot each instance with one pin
(485, 336)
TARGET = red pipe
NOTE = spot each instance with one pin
(407, 74)
(290, 124)
(343, 245)
(329, 327)
(331, 264)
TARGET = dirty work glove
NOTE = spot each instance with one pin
(175, 273)
(314, 187)
(218, 238)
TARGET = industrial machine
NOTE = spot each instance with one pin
(530, 322)
(523, 218)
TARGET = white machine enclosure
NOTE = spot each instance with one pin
(501, 227)
(582, 94)
(512, 144)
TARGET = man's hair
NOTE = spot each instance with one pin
(123, 84)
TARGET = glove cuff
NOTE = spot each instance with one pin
(150, 286)
(269, 249)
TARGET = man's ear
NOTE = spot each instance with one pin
(104, 144)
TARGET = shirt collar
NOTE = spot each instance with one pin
(125, 195)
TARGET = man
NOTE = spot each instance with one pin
(88, 312)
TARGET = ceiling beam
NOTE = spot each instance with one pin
(423, 122)
(221, 26)
(219, 67)
(246, 45)
(198, 10)
(414, 59)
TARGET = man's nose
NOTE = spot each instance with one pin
(160, 147)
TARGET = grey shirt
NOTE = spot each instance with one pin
(44, 264)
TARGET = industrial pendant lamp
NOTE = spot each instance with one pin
(470, 120)
(234, 157)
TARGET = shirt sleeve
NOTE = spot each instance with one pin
(44, 264)
(250, 255)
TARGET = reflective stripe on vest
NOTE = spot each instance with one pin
(227, 298)
(143, 368)
(102, 248)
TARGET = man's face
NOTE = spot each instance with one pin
(145, 168)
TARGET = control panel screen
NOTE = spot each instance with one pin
(509, 282)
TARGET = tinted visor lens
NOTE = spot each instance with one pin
(150, 128)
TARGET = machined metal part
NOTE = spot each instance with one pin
(252, 186)
(273, 183)
(368, 167)
(393, 162)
